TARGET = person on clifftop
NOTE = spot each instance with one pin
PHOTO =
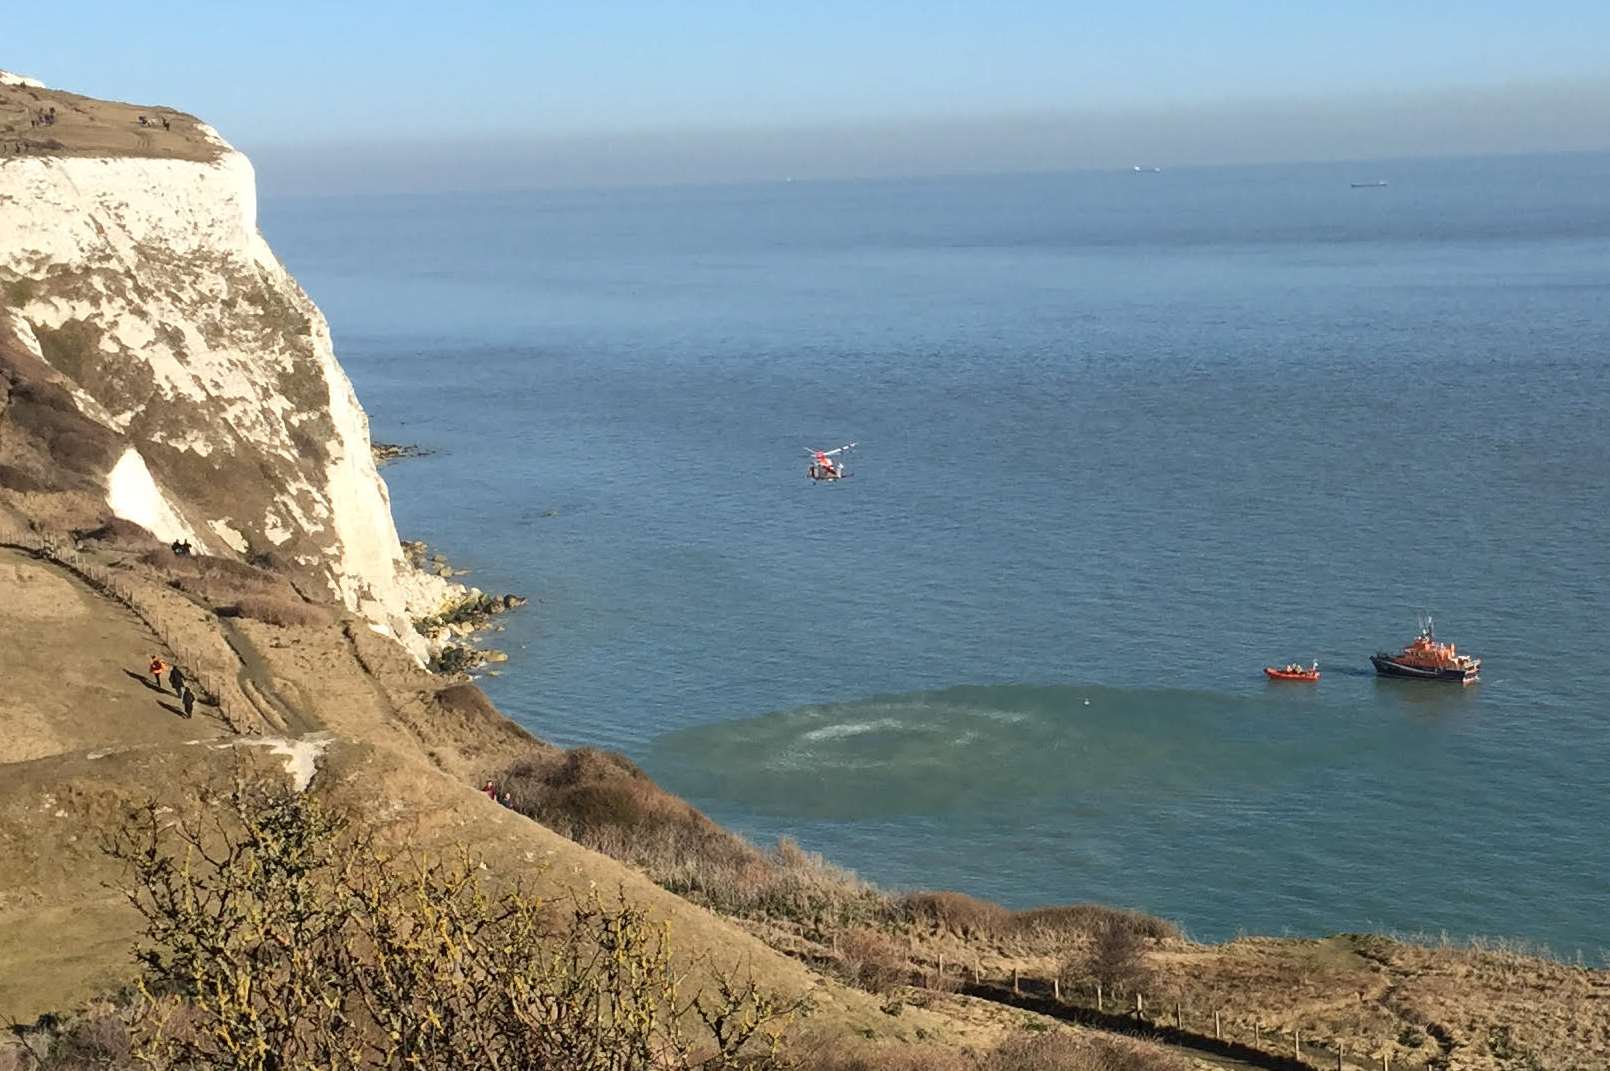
(156, 667)
(176, 678)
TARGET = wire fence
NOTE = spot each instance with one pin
(1221, 1031)
(215, 676)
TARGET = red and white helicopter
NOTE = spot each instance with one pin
(824, 467)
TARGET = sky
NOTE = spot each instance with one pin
(334, 97)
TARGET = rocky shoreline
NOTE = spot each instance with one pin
(451, 629)
(386, 452)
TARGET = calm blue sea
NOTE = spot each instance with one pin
(1125, 439)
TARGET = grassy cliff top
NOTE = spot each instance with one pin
(48, 122)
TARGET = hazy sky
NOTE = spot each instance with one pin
(404, 95)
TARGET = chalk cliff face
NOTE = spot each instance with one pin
(135, 283)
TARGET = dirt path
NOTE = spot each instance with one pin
(75, 670)
(256, 678)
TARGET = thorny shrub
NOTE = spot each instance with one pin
(277, 937)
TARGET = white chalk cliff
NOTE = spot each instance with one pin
(142, 282)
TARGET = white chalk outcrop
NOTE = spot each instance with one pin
(145, 284)
(133, 495)
(7, 78)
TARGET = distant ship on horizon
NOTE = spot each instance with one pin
(1368, 185)
(1147, 170)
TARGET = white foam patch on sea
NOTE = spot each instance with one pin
(854, 728)
(1011, 717)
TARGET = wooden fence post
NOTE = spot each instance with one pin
(1140, 1009)
(1179, 1017)
(1099, 1006)
(1257, 1032)
(1015, 989)
(1386, 1061)
(1056, 989)
(1218, 1032)
(1297, 1044)
(978, 971)
(941, 966)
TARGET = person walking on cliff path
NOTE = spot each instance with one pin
(156, 667)
(188, 698)
(176, 678)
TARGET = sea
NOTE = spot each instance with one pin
(1123, 440)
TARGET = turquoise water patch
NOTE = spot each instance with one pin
(971, 746)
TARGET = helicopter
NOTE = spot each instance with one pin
(823, 467)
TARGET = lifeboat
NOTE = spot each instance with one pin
(1292, 672)
(1425, 659)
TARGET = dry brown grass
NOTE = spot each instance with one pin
(971, 918)
(1064, 1050)
(85, 126)
(872, 960)
(604, 801)
(601, 798)
(171, 565)
(844, 1054)
(1055, 1050)
(120, 534)
(69, 443)
(958, 913)
(469, 701)
(234, 588)
(277, 611)
(13, 478)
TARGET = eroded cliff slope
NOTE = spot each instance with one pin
(158, 363)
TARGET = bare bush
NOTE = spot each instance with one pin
(98, 1039)
(1114, 957)
(872, 961)
(278, 938)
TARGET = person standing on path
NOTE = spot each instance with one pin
(188, 698)
(156, 667)
(176, 678)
